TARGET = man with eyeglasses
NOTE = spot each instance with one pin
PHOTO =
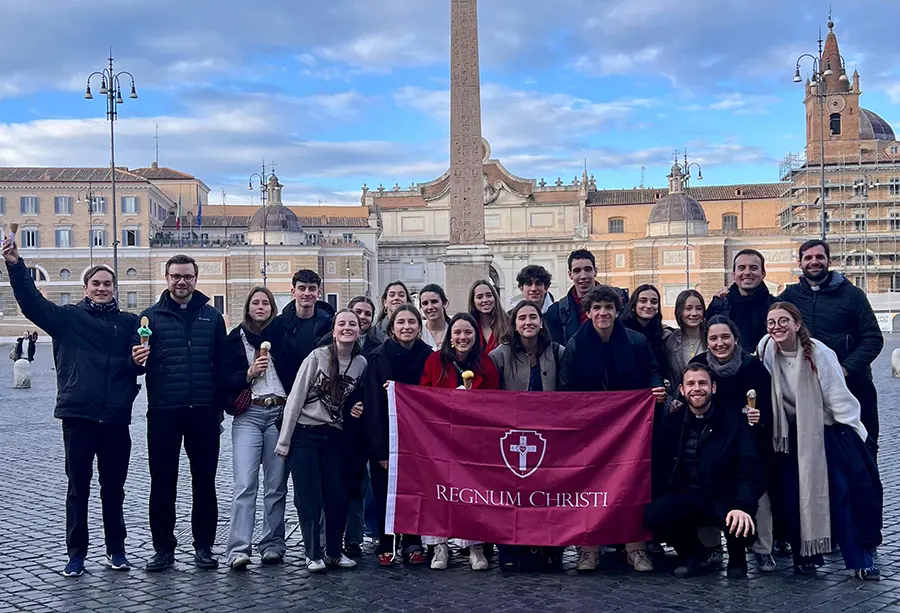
(182, 365)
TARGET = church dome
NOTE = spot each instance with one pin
(873, 127)
(276, 218)
(676, 207)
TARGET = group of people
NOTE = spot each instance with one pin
(765, 429)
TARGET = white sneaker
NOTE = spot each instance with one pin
(240, 562)
(342, 562)
(315, 566)
(587, 561)
(477, 559)
(441, 557)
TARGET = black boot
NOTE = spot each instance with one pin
(737, 563)
(160, 561)
(204, 558)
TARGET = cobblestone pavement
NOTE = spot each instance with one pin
(32, 536)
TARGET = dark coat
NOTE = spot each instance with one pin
(32, 348)
(655, 333)
(839, 315)
(184, 369)
(96, 378)
(290, 354)
(631, 367)
(562, 319)
(731, 395)
(388, 362)
(730, 471)
(747, 312)
(234, 360)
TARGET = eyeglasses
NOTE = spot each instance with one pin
(185, 278)
(783, 322)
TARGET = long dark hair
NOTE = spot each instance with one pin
(370, 333)
(682, 300)
(515, 339)
(802, 334)
(384, 294)
(499, 319)
(434, 288)
(251, 325)
(448, 355)
(409, 308)
(335, 388)
(631, 306)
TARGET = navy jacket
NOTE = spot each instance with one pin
(184, 369)
(731, 473)
(289, 354)
(839, 315)
(96, 378)
(561, 318)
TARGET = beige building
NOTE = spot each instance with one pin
(64, 218)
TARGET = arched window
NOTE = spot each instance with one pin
(616, 225)
(835, 124)
(729, 221)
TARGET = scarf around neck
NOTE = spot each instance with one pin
(109, 307)
(729, 368)
(407, 364)
(815, 509)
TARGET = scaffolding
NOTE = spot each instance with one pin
(862, 199)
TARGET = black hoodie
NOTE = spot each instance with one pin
(300, 336)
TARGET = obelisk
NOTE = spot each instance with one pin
(467, 256)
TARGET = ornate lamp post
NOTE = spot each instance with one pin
(89, 198)
(263, 196)
(111, 88)
(687, 245)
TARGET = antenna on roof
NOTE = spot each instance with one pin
(643, 170)
(223, 196)
(157, 145)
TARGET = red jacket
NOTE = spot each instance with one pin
(486, 377)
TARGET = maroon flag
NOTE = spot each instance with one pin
(519, 468)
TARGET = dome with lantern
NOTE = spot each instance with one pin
(677, 212)
(274, 223)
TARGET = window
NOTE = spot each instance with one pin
(859, 221)
(2, 205)
(131, 273)
(130, 204)
(37, 274)
(131, 238)
(99, 237)
(30, 238)
(64, 274)
(63, 238)
(895, 282)
(62, 205)
(131, 297)
(616, 225)
(219, 303)
(895, 220)
(894, 186)
(860, 282)
(29, 205)
(348, 237)
(729, 221)
(332, 300)
(65, 298)
(835, 124)
(99, 205)
(895, 150)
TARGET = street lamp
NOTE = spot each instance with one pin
(111, 88)
(687, 245)
(263, 195)
(817, 88)
(89, 198)
(349, 292)
(864, 188)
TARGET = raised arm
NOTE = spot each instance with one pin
(50, 317)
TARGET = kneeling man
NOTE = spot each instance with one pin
(706, 473)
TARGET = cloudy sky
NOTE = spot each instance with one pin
(343, 92)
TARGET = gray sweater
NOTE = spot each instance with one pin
(309, 404)
(515, 370)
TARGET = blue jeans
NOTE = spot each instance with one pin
(253, 436)
(316, 462)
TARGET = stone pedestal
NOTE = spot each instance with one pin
(463, 264)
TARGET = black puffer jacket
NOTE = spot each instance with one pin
(290, 354)
(839, 315)
(747, 312)
(96, 378)
(184, 369)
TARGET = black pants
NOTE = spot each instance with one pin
(111, 445)
(408, 542)
(316, 459)
(864, 390)
(675, 518)
(199, 429)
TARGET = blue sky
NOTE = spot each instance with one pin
(353, 91)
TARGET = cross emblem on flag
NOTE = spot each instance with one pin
(523, 451)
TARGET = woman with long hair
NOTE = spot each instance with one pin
(460, 352)
(247, 363)
(433, 304)
(643, 315)
(326, 393)
(687, 341)
(395, 293)
(828, 485)
(736, 373)
(402, 359)
(365, 310)
(484, 307)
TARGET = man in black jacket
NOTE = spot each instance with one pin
(96, 386)
(706, 472)
(747, 301)
(182, 363)
(564, 318)
(605, 356)
(306, 321)
(839, 314)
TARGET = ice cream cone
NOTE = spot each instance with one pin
(144, 332)
(13, 227)
(467, 377)
(264, 348)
